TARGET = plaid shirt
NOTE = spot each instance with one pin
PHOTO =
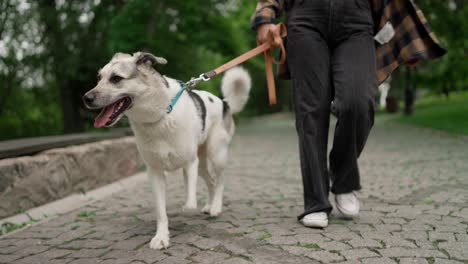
(413, 40)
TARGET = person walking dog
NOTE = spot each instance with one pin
(338, 51)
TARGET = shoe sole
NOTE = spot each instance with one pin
(347, 214)
(317, 224)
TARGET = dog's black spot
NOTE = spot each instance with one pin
(211, 99)
(200, 105)
(225, 108)
(165, 81)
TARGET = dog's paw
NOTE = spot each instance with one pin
(159, 242)
(189, 207)
(215, 212)
(206, 209)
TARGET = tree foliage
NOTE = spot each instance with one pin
(449, 20)
(50, 52)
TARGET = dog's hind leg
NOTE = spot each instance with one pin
(217, 154)
(203, 172)
(190, 177)
(217, 201)
(158, 184)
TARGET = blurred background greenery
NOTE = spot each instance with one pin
(50, 52)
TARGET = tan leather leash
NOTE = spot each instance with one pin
(275, 41)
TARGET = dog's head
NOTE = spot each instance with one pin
(126, 80)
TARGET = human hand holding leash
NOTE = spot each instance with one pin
(271, 36)
(265, 32)
(271, 33)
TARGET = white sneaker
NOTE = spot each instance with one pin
(347, 204)
(319, 219)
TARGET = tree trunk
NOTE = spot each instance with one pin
(409, 93)
(72, 122)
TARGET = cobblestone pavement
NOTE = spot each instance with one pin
(414, 210)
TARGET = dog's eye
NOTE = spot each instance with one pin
(115, 79)
(99, 77)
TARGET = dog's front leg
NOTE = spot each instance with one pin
(190, 177)
(158, 184)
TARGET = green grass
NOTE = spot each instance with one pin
(438, 112)
(86, 214)
(8, 227)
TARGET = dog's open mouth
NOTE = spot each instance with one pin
(111, 114)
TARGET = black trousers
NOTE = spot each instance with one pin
(331, 57)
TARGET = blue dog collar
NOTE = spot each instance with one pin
(176, 98)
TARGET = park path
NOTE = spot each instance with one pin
(414, 210)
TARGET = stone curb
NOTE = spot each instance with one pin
(74, 201)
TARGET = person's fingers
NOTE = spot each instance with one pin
(264, 31)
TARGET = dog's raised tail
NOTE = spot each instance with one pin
(235, 87)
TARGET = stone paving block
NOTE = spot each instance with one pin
(393, 241)
(119, 254)
(235, 248)
(186, 238)
(439, 236)
(388, 227)
(341, 236)
(349, 262)
(462, 237)
(352, 254)
(149, 256)
(324, 256)
(360, 242)
(132, 243)
(55, 253)
(394, 220)
(404, 252)
(206, 243)
(282, 240)
(181, 251)
(8, 258)
(8, 250)
(457, 250)
(8, 241)
(378, 260)
(220, 225)
(308, 238)
(32, 260)
(84, 261)
(88, 253)
(447, 261)
(173, 260)
(413, 235)
(334, 245)
(426, 244)
(362, 228)
(298, 250)
(61, 261)
(234, 261)
(413, 261)
(209, 257)
(463, 213)
(32, 250)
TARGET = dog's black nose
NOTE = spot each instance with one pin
(88, 99)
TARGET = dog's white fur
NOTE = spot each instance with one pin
(176, 140)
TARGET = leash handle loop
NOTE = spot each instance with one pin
(275, 41)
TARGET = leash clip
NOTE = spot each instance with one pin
(194, 81)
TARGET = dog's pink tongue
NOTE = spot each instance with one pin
(104, 117)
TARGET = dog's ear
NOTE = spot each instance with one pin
(148, 59)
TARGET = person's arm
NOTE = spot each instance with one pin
(266, 12)
(264, 18)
